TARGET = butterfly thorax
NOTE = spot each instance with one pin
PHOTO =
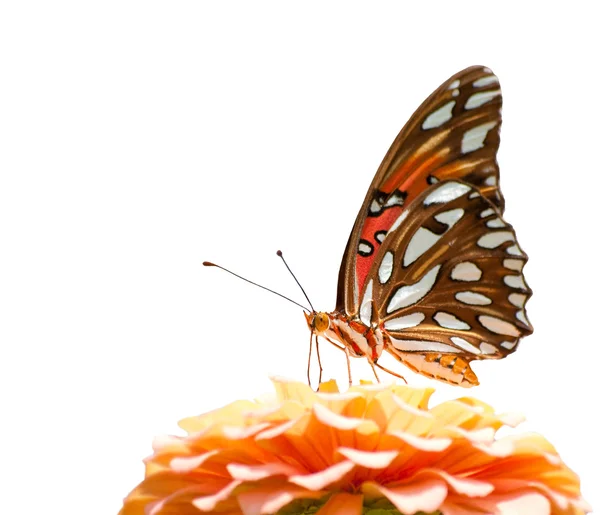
(360, 339)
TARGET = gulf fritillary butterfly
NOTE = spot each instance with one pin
(432, 273)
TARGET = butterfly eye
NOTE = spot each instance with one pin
(321, 322)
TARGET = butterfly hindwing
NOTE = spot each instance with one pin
(453, 135)
(447, 279)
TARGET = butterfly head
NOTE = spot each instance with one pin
(318, 322)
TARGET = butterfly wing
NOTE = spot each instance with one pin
(453, 135)
(447, 285)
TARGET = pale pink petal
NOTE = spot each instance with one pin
(515, 503)
(369, 459)
(208, 502)
(511, 419)
(524, 504)
(449, 508)
(417, 397)
(342, 503)
(411, 498)
(432, 444)
(273, 432)
(186, 464)
(240, 433)
(166, 441)
(258, 472)
(329, 418)
(466, 486)
(499, 448)
(510, 485)
(287, 390)
(410, 408)
(322, 479)
(484, 435)
(338, 398)
(266, 501)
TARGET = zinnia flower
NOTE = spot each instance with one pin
(374, 449)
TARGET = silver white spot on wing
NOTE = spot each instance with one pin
(395, 200)
(485, 81)
(449, 321)
(491, 181)
(446, 192)
(473, 195)
(473, 138)
(398, 221)
(514, 264)
(454, 84)
(421, 241)
(472, 298)
(487, 348)
(456, 92)
(386, 267)
(495, 223)
(450, 217)
(515, 250)
(439, 116)
(523, 317)
(515, 281)
(491, 240)
(408, 295)
(375, 207)
(509, 345)
(498, 326)
(422, 346)
(486, 212)
(517, 299)
(366, 308)
(464, 344)
(365, 248)
(480, 98)
(466, 271)
(397, 324)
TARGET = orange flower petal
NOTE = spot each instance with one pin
(383, 441)
(411, 498)
(343, 503)
(270, 500)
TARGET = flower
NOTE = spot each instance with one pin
(374, 449)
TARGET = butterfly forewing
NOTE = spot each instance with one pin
(453, 135)
(448, 278)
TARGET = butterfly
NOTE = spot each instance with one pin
(432, 273)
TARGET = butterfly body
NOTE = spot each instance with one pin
(432, 273)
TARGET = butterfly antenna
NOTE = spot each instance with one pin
(208, 263)
(280, 254)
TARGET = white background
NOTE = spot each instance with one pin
(140, 138)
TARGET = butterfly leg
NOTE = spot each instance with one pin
(309, 357)
(348, 364)
(374, 371)
(388, 371)
(319, 359)
(347, 352)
